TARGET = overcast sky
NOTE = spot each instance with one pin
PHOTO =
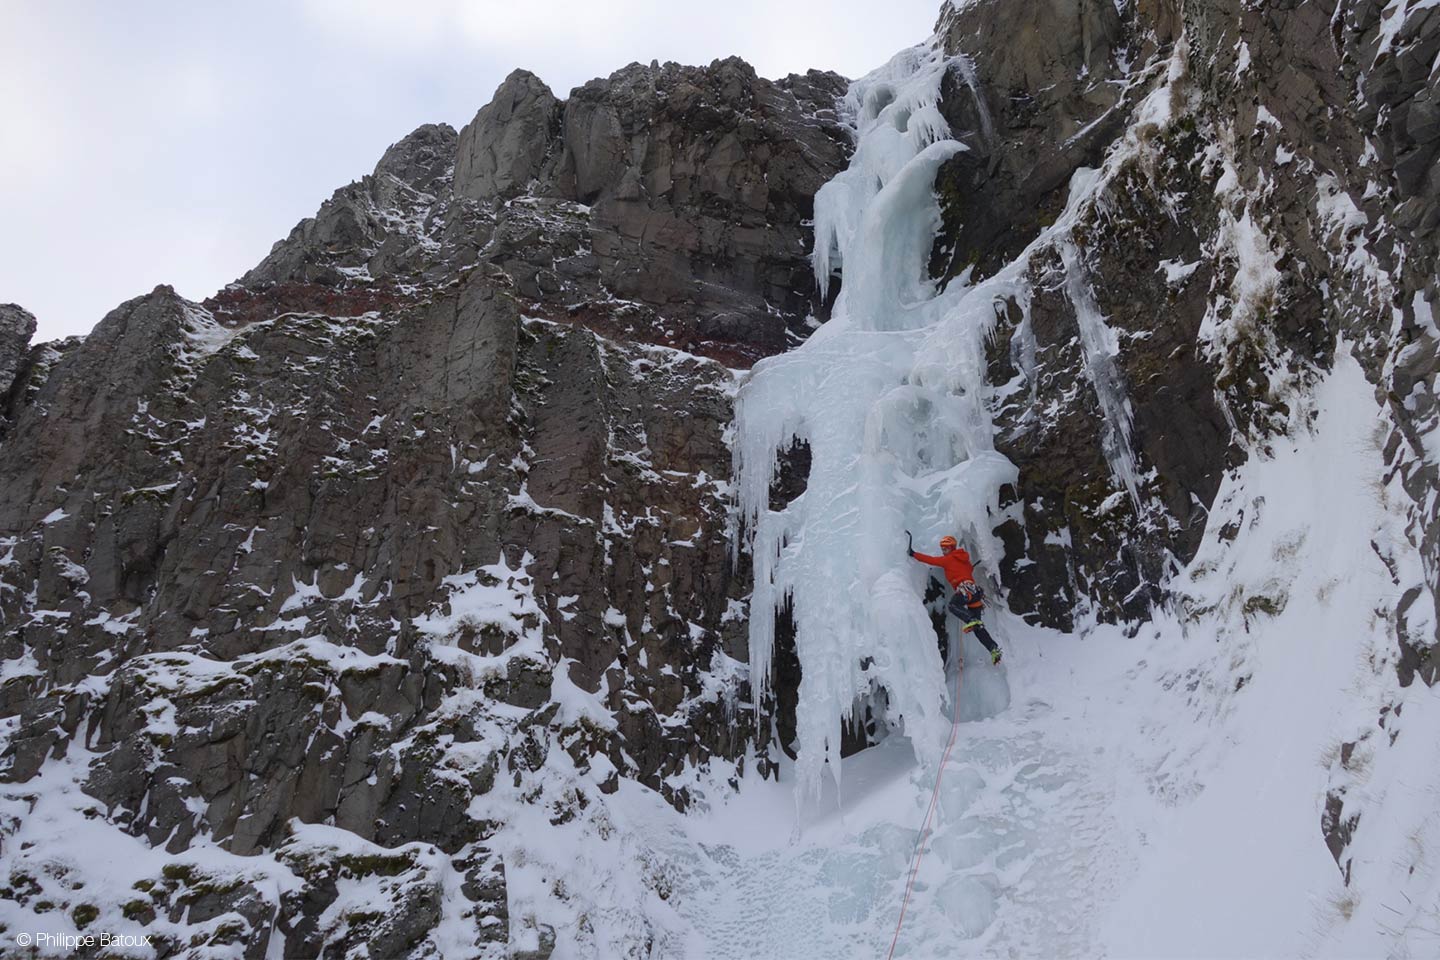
(173, 142)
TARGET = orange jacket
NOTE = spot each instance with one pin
(956, 564)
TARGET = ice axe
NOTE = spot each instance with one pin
(909, 544)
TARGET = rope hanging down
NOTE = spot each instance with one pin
(919, 851)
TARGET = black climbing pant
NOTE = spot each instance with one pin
(967, 608)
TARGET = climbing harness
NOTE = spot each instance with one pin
(919, 851)
(965, 605)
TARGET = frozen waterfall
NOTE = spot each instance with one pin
(891, 397)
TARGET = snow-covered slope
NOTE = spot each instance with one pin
(1271, 690)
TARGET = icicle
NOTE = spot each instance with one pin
(1100, 347)
(987, 125)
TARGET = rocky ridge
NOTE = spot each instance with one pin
(665, 204)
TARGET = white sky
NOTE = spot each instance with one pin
(146, 142)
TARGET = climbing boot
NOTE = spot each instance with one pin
(995, 656)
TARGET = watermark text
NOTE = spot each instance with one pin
(75, 941)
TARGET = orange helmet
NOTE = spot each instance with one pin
(948, 543)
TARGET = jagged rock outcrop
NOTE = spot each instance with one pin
(691, 173)
(368, 226)
(665, 204)
(504, 148)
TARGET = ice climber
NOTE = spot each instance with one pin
(968, 599)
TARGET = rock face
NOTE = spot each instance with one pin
(324, 569)
(335, 572)
(1245, 223)
(689, 172)
(504, 148)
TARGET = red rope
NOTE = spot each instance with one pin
(919, 851)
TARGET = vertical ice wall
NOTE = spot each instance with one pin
(891, 397)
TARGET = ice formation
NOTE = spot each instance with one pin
(892, 398)
(890, 395)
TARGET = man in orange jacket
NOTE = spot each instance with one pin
(968, 600)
